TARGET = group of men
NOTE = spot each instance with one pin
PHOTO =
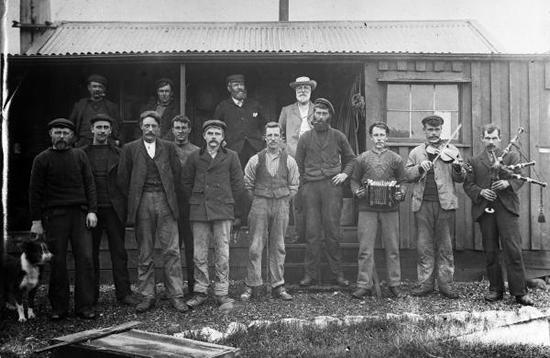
(182, 195)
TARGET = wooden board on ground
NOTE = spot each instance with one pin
(137, 343)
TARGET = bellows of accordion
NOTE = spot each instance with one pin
(381, 193)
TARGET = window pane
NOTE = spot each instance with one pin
(422, 97)
(399, 124)
(398, 97)
(416, 124)
(446, 97)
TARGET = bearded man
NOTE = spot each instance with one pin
(63, 205)
(321, 154)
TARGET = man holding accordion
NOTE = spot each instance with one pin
(376, 180)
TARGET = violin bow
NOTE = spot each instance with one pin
(443, 147)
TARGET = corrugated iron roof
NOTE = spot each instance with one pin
(433, 37)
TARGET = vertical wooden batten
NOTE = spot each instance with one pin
(183, 88)
(535, 76)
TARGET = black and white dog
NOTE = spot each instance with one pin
(21, 275)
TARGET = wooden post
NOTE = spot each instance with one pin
(183, 88)
(283, 10)
(35, 12)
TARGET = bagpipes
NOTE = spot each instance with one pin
(511, 171)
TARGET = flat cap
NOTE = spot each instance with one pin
(433, 120)
(61, 123)
(323, 102)
(97, 78)
(234, 78)
(214, 123)
(152, 114)
(101, 117)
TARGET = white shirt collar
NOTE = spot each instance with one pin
(150, 148)
(237, 102)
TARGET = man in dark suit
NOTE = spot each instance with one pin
(104, 157)
(495, 206)
(86, 108)
(148, 173)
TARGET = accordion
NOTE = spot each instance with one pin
(381, 193)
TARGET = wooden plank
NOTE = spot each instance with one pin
(439, 66)
(420, 66)
(374, 98)
(413, 76)
(495, 94)
(477, 121)
(547, 75)
(183, 88)
(404, 208)
(401, 65)
(383, 65)
(467, 140)
(535, 118)
(457, 66)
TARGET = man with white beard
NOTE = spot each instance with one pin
(295, 120)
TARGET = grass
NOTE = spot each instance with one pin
(382, 338)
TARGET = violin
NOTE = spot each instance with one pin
(447, 154)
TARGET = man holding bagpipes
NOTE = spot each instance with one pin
(493, 188)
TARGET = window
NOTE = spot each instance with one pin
(407, 104)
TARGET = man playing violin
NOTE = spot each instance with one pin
(434, 202)
(490, 186)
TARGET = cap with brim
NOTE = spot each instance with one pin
(304, 81)
(325, 102)
(163, 82)
(214, 123)
(61, 123)
(433, 120)
(100, 117)
(98, 79)
(234, 78)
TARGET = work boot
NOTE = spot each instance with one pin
(396, 292)
(129, 300)
(280, 292)
(247, 294)
(179, 304)
(341, 281)
(307, 281)
(493, 296)
(197, 300)
(146, 304)
(525, 300)
(222, 300)
(448, 292)
(360, 293)
(422, 291)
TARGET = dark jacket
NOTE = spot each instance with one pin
(480, 178)
(171, 110)
(132, 171)
(320, 157)
(77, 115)
(244, 123)
(115, 194)
(212, 184)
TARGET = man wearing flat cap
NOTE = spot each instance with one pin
(212, 179)
(149, 175)
(86, 108)
(164, 103)
(295, 120)
(325, 160)
(434, 202)
(63, 206)
(104, 157)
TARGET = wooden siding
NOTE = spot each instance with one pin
(511, 94)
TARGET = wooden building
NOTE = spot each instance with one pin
(404, 70)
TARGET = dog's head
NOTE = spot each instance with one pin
(36, 250)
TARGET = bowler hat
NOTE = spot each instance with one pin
(324, 103)
(234, 78)
(97, 78)
(301, 81)
(214, 123)
(101, 117)
(61, 123)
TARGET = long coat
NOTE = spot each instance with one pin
(77, 115)
(115, 194)
(212, 184)
(480, 178)
(291, 122)
(132, 171)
